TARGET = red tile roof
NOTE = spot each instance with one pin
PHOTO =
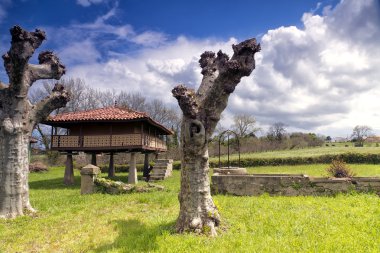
(112, 113)
(108, 113)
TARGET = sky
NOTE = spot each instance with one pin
(318, 70)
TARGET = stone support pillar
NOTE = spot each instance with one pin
(132, 175)
(88, 174)
(68, 179)
(146, 161)
(93, 159)
(111, 167)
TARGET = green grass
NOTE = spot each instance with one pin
(316, 170)
(143, 222)
(307, 152)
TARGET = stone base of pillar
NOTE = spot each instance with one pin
(88, 174)
(132, 175)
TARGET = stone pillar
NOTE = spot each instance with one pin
(93, 159)
(88, 174)
(68, 178)
(132, 175)
(146, 161)
(111, 167)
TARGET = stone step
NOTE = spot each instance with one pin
(158, 174)
(164, 160)
(162, 169)
(154, 178)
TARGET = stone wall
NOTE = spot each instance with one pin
(290, 185)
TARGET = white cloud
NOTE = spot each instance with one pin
(323, 77)
(153, 71)
(149, 38)
(310, 77)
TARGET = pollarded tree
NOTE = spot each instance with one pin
(18, 115)
(201, 113)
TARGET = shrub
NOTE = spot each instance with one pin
(339, 168)
(52, 157)
(37, 167)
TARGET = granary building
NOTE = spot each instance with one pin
(107, 130)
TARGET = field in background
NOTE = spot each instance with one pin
(306, 152)
(143, 222)
(316, 170)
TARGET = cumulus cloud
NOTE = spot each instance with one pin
(152, 72)
(322, 77)
(312, 78)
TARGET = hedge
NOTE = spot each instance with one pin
(276, 161)
(346, 157)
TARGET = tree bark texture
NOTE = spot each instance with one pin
(18, 116)
(201, 113)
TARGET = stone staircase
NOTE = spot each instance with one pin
(162, 169)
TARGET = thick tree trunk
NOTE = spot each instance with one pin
(14, 171)
(198, 212)
(18, 115)
(201, 113)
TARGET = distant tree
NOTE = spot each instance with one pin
(277, 131)
(328, 138)
(135, 101)
(244, 125)
(78, 90)
(360, 133)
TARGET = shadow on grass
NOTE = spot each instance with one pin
(55, 183)
(135, 236)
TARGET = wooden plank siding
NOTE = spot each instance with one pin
(107, 142)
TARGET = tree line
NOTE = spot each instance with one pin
(84, 97)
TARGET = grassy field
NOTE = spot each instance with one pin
(143, 222)
(316, 170)
(306, 152)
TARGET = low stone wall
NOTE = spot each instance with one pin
(290, 185)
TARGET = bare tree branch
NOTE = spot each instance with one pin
(49, 67)
(229, 74)
(58, 98)
(23, 45)
(186, 100)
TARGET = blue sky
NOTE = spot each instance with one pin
(318, 70)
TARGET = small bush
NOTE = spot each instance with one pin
(340, 169)
(52, 157)
(37, 167)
